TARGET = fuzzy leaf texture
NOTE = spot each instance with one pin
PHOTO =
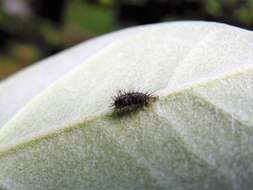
(57, 130)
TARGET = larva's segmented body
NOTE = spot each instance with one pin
(128, 100)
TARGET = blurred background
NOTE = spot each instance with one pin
(33, 29)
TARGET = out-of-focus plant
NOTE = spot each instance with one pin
(51, 26)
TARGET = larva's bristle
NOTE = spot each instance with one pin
(125, 100)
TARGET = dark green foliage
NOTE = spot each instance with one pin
(49, 26)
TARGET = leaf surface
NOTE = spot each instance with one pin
(198, 135)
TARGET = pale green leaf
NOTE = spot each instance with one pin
(198, 135)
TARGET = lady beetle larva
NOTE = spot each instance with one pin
(125, 101)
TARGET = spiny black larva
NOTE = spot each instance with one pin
(125, 101)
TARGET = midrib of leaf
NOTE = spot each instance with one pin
(193, 158)
(208, 81)
(50, 134)
(62, 131)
